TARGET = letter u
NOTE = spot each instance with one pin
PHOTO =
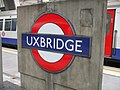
(29, 41)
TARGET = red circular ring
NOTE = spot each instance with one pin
(66, 60)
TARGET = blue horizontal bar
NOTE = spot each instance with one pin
(75, 45)
(9, 41)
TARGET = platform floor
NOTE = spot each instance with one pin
(11, 76)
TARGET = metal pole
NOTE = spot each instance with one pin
(1, 68)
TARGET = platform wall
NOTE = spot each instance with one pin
(88, 18)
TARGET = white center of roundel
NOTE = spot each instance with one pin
(50, 28)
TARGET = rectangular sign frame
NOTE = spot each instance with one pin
(37, 37)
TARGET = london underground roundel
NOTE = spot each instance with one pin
(52, 24)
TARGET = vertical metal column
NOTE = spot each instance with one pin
(1, 69)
